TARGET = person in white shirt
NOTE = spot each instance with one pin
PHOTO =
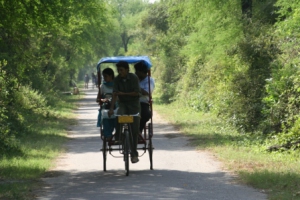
(141, 71)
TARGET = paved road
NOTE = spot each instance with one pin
(180, 172)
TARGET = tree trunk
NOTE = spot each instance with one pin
(247, 8)
(125, 40)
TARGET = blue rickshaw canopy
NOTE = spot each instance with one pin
(129, 59)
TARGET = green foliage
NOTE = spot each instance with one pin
(157, 18)
(248, 84)
(15, 123)
(38, 145)
(8, 141)
(265, 11)
(32, 100)
(282, 89)
(44, 44)
(213, 60)
(127, 14)
(208, 57)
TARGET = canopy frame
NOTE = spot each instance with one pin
(129, 59)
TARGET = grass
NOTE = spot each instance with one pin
(40, 144)
(277, 174)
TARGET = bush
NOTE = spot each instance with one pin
(8, 141)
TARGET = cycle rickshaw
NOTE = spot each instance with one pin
(110, 144)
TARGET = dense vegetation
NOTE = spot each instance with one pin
(235, 59)
(43, 46)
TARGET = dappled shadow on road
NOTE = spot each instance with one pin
(84, 141)
(161, 132)
(175, 177)
(91, 102)
(82, 110)
(87, 111)
(149, 184)
(90, 95)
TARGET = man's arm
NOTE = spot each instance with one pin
(144, 92)
(145, 87)
(136, 87)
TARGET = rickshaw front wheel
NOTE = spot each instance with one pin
(126, 151)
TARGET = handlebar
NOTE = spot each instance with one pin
(133, 115)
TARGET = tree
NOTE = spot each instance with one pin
(247, 8)
(42, 43)
(127, 12)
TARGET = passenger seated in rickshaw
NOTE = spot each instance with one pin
(141, 71)
(127, 90)
(104, 98)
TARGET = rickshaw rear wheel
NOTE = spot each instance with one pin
(104, 152)
(150, 146)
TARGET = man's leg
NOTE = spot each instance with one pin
(121, 111)
(134, 108)
(135, 132)
(145, 116)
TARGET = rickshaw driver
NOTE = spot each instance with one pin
(127, 89)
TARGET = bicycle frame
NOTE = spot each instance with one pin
(127, 140)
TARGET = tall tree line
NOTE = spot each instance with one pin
(236, 59)
(44, 44)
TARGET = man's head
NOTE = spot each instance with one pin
(122, 68)
(141, 70)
